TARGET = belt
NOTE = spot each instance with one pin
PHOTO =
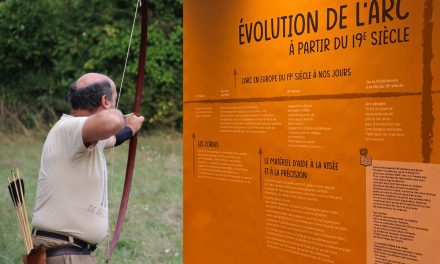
(66, 250)
(82, 244)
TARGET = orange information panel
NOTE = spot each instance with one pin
(311, 131)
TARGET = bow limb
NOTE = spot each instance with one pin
(133, 140)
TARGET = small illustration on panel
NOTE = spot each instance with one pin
(365, 160)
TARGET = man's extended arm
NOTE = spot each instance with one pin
(133, 124)
(102, 125)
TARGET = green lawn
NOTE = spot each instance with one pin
(152, 230)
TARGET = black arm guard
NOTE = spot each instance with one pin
(123, 135)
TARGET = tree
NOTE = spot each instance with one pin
(46, 44)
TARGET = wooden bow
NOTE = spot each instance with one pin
(133, 140)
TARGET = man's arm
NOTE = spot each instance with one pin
(103, 125)
(133, 124)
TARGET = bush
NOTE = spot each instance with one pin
(46, 44)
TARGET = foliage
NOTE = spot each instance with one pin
(46, 44)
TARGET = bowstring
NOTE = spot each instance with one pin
(128, 54)
(117, 105)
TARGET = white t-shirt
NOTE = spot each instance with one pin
(72, 184)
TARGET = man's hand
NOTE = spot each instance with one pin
(134, 122)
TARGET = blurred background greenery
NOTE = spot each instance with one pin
(44, 46)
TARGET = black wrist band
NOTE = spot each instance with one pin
(123, 135)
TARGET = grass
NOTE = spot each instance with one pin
(152, 230)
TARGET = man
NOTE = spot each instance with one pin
(71, 210)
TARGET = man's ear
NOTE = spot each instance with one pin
(105, 102)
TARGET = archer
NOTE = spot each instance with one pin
(71, 208)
